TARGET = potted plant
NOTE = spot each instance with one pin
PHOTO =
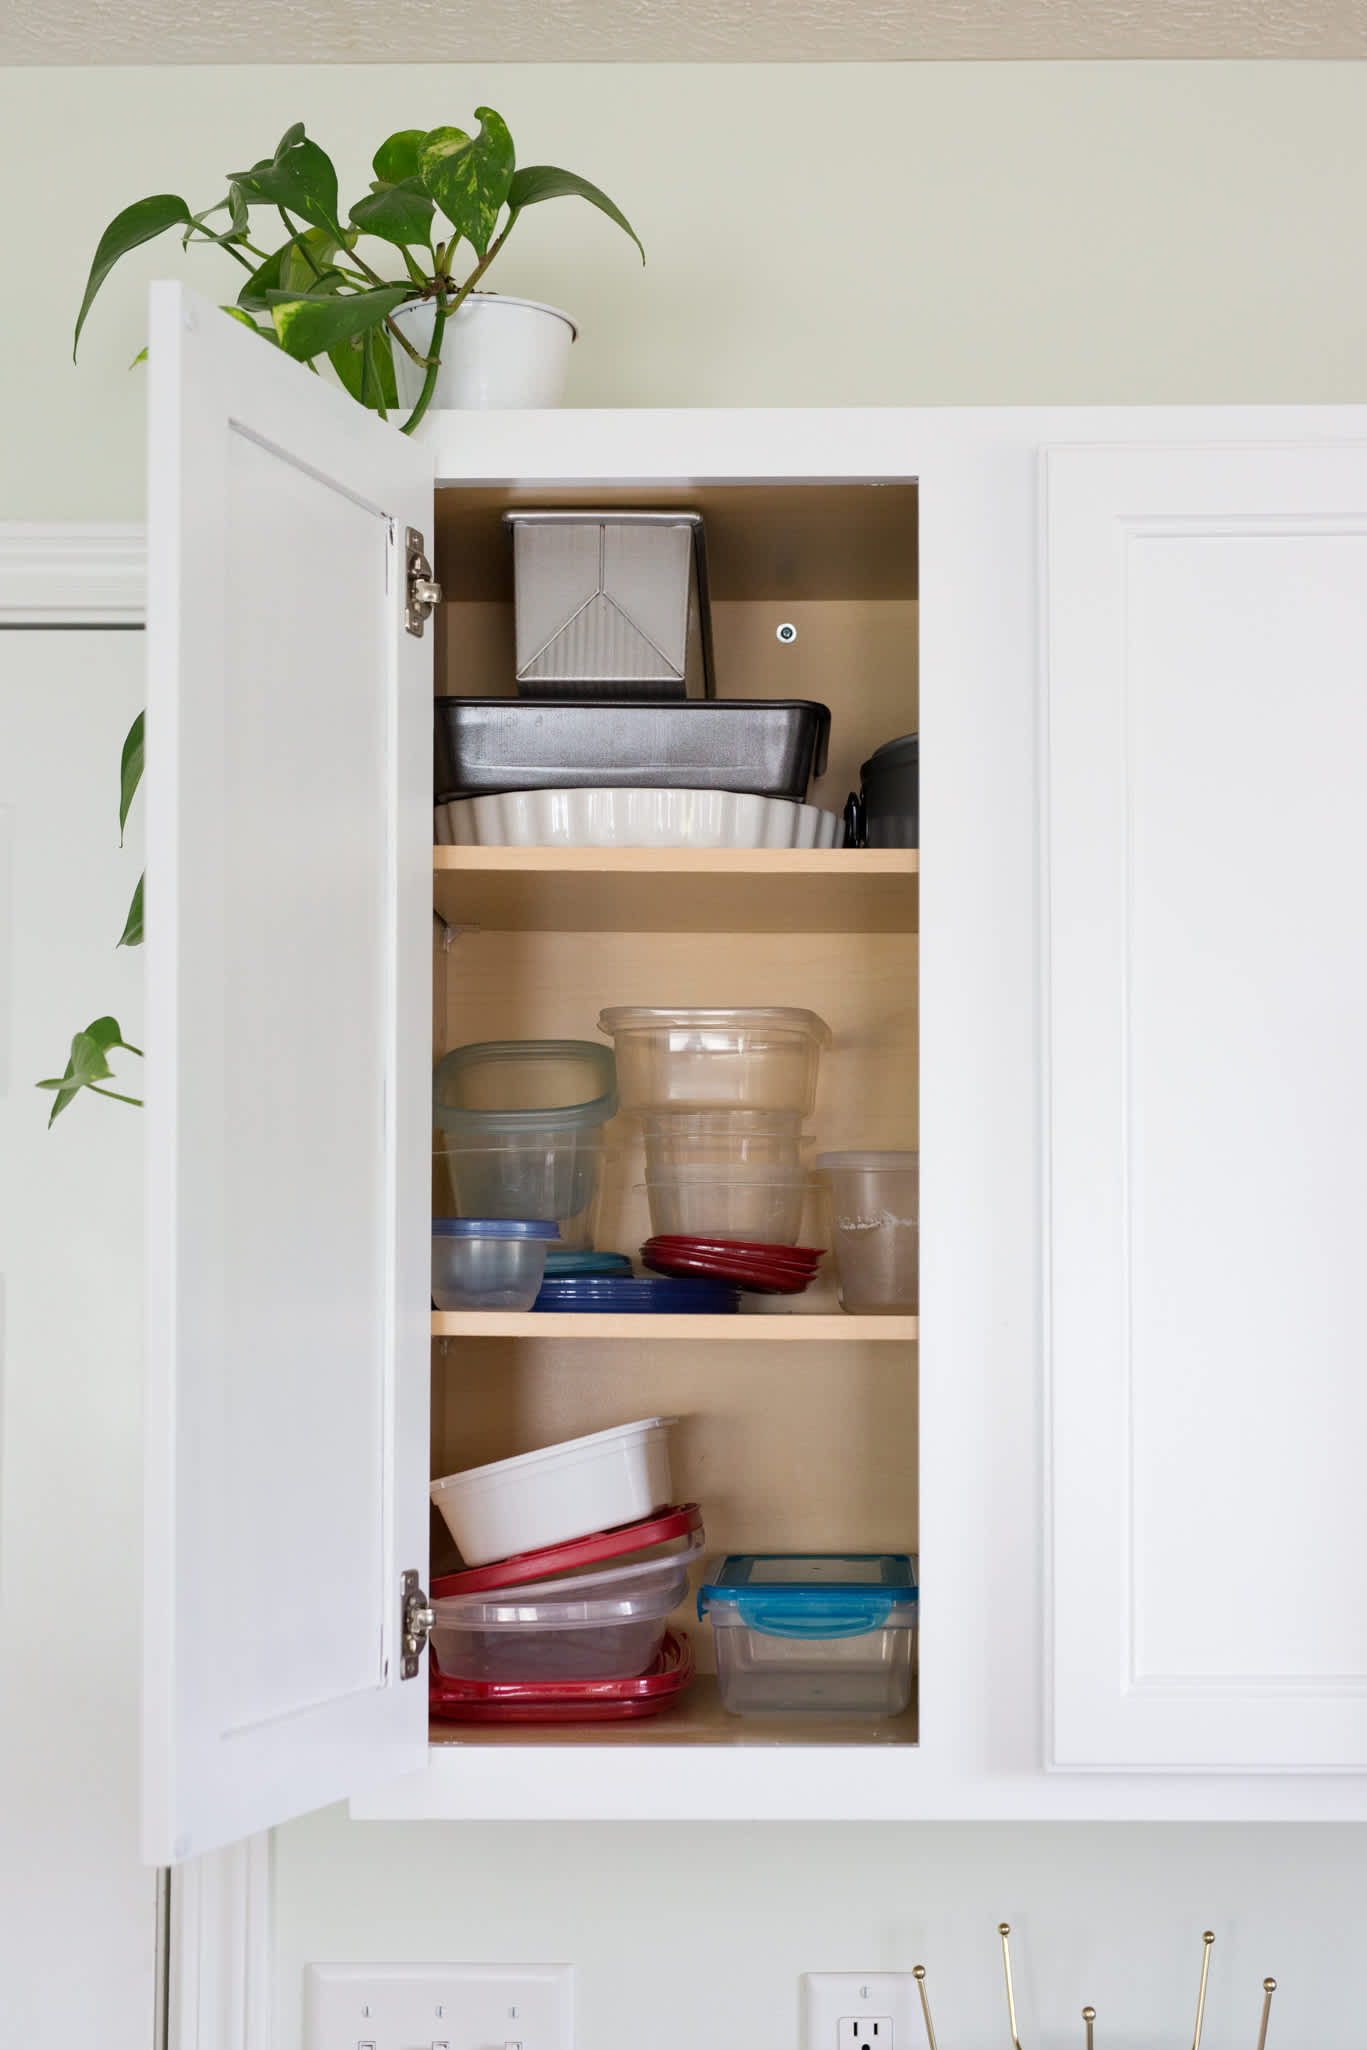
(430, 336)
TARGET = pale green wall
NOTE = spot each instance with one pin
(818, 234)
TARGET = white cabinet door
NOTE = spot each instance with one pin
(288, 1007)
(1206, 649)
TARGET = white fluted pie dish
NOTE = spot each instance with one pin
(627, 817)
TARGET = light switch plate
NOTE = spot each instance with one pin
(440, 2007)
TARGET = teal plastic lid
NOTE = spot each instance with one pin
(814, 1594)
(512, 1087)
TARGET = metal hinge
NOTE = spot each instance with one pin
(423, 592)
(418, 1619)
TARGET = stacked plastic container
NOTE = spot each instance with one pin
(575, 1558)
(721, 1094)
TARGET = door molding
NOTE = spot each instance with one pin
(220, 1963)
(71, 574)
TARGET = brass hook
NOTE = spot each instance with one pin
(1004, 1931)
(1207, 1939)
(1269, 1988)
(1089, 2016)
(918, 1973)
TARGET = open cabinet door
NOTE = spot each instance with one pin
(289, 829)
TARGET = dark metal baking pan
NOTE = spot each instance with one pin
(771, 747)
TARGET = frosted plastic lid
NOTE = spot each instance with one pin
(755, 1018)
(568, 1447)
(524, 1085)
(884, 1163)
(493, 1228)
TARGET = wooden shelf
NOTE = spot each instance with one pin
(698, 1718)
(664, 889)
(740, 1330)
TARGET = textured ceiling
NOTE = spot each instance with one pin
(668, 31)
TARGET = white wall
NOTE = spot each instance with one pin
(816, 235)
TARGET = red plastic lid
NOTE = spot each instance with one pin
(565, 1700)
(757, 1279)
(574, 1553)
(797, 1256)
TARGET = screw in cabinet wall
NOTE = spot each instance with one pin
(439, 2007)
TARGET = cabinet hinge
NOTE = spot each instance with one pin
(423, 593)
(418, 1618)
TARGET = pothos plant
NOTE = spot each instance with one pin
(445, 201)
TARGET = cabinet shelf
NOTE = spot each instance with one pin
(743, 1330)
(698, 1718)
(666, 889)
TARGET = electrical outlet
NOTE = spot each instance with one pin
(440, 2007)
(860, 2011)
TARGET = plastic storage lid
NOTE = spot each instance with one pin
(566, 1260)
(608, 1292)
(816, 1594)
(870, 1162)
(575, 1552)
(751, 1018)
(524, 1085)
(493, 1228)
(902, 753)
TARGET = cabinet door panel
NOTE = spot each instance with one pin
(288, 911)
(1207, 708)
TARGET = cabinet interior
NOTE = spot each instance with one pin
(808, 1446)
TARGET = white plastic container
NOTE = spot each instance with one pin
(563, 1491)
(496, 353)
(605, 1625)
(488, 1263)
(762, 1204)
(820, 1635)
(754, 1058)
(876, 1201)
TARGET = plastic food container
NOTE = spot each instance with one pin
(557, 1176)
(604, 1625)
(876, 1200)
(721, 1139)
(825, 1634)
(488, 1263)
(611, 604)
(569, 1490)
(760, 1058)
(762, 1204)
(771, 747)
(522, 1122)
(627, 817)
(565, 1701)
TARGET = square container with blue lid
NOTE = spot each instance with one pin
(829, 1633)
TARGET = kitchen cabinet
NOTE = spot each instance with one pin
(300, 1391)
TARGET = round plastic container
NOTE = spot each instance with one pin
(605, 1625)
(525, 1086)
(481, 1263)
(569, 1490)
(762, 1204)
(761, 1059)
(723, 1139)
(876, 1199)
(556, 1176)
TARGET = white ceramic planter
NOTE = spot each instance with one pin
(496, 354)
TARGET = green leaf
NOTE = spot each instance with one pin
(399, 157)
(288, 269)
(543, 181)
(130, 770)
(267, 334)
(307, 327)
(88, 1065)
(365, 364)
(141, 357)
(398, 213)
(301, 177)
(288, 140)
(137, 224)
(131, 936)
(235, 206)
(468, 179)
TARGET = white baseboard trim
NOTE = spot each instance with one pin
(220, 1990)
(71, 575)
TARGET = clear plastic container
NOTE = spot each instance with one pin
(822, 1634)
(523, 1086)
(762, 1206)
(757, 1058)
(551, 1175)
(723, 1138)
(604, 1625)
(569, 1490)
(481, 1263)
(876, 1202)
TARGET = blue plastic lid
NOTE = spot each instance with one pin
(493, 1228)
(580, 1260)
(815, 1594)
(612, 1292)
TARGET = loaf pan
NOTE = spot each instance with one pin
(769, 747)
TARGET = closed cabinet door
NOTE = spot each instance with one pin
(1206, 866)
(288, 995)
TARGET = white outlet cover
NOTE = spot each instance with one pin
(439, 2007)
(829, 1998)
